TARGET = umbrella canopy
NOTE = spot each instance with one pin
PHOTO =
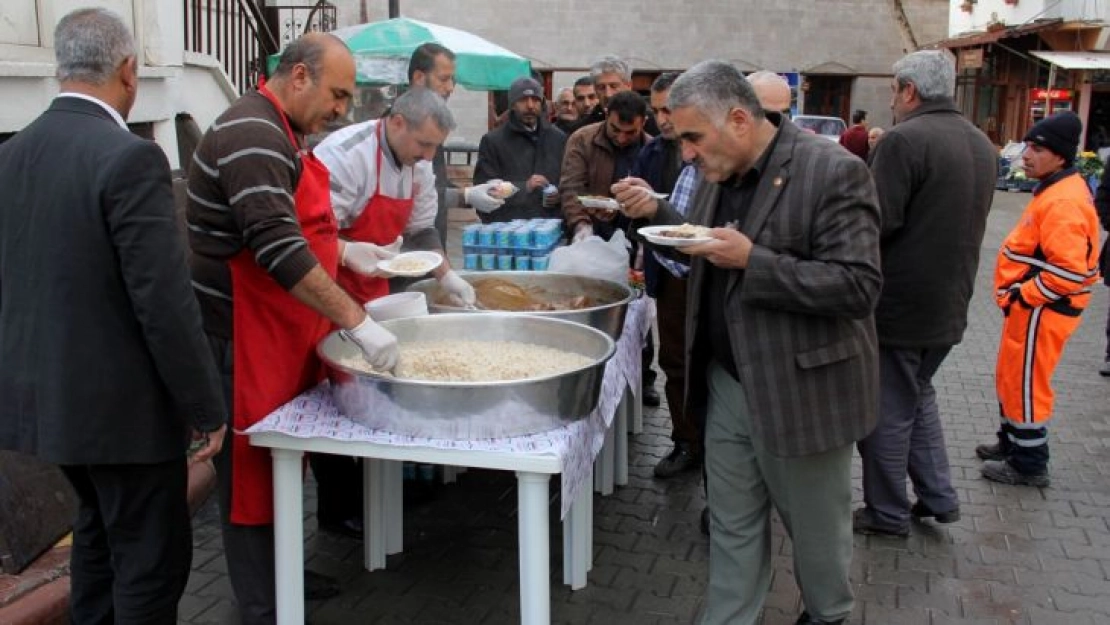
(382, 50)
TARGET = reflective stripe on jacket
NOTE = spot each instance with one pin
(1052, 252)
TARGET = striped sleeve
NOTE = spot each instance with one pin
(258, 170)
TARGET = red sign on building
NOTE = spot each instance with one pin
(1050, 94)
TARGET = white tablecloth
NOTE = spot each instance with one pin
(314, 414)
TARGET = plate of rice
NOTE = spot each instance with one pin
(411, 264)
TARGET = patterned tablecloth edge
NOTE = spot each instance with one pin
(313, 414)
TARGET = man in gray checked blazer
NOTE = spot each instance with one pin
(781, 347)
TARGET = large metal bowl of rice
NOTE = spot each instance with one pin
(484, 408)
(600, 304)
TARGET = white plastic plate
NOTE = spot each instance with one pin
(654, 235)
(411, 264)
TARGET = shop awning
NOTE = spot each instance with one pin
(991, 36)
(1075, 60)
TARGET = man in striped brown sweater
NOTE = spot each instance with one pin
(265, 254)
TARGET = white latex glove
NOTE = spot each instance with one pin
(582, 232)
(378, 345)
(478, 196)
(459, 290)
(363, 258)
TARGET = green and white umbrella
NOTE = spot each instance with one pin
(382, 50)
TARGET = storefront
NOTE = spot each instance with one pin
(1091, 75)
(1009, 77)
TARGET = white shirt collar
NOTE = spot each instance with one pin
(111, 111)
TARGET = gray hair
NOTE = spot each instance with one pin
(714, 88)
(610, 65)
(931, 71)
(90, 45)
(417, 105)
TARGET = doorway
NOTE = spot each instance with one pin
(829, 95)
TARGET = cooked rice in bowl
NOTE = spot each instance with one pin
(476, 361)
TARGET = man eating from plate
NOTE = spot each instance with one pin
(383, 191)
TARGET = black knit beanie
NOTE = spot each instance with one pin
(1059, 133)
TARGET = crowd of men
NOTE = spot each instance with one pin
(835, 283)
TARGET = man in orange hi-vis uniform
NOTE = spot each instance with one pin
(1042, 282)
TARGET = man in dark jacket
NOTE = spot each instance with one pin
(528, 152)
(566, 111)
(780, 338)
(105, 366)
(1102, 205)
(659, 164)
(935, 175)
(610, 75)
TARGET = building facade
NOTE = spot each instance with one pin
(841, 51)
(1019, 60)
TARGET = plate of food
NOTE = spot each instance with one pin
(599, 201)
(411, 264)
(676, 236)
(503, 191)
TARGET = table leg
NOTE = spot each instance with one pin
(603, 465)
(578, 540)
(289, 536)
(535, 590)
(620, 439)
(638, 406)
(394, 502)
(375, 518)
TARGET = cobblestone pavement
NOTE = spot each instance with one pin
(1019, 555)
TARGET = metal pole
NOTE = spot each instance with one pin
(363, 12)
(394, 8)
(1048, 92)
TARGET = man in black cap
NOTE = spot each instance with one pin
(528, 152)
(1042, 281)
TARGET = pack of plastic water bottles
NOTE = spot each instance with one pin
(518, 245)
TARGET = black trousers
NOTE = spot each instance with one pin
(132, 543)
(338, 488)
(248, 549)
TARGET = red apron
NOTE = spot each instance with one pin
(382, 220)
(275, 338)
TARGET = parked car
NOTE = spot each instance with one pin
(828, 127)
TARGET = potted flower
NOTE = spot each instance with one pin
(1090, 166)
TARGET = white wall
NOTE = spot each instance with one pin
(985, 11)
(19, 25)
(170, 81)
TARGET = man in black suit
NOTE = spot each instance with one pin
(105, 365)
(780, 338)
